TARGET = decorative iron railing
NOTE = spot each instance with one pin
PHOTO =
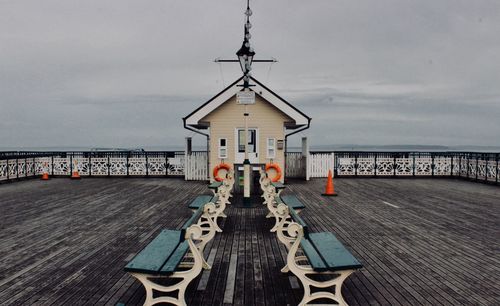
(475, 166)
(16, 165)
(483, 167)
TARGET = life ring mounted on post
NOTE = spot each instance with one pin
(276, 168)
(220, 166)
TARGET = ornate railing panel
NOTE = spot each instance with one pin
(117, 166)
(157, 166)
(61, 166)
(366, 166)
(423, 166)
(82, 164)
(442, 166)
(4, 170)
(385, 166)
(404, 166)
(345, 166)
(137, 166)
(491, 170)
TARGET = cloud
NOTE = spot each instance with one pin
(109, 73)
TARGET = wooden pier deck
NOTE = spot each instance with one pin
(422, 241)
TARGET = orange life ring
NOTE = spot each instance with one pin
(219, 167)
(276, 168)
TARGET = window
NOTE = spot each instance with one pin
(222, 148)
(271, 148)
(252, 135)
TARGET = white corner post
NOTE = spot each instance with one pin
(305, 157)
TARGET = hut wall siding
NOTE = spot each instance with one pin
(229, 116)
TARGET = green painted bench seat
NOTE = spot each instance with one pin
(334, 253)
(292, 202)
(164, 253)
(326, 253)
(278, 185)
(200, 201)
(162, 250)
(215, 185)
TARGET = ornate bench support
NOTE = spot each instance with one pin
(194, 232)
(301, 271)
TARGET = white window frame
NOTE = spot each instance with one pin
(222, 147)
(273, 147)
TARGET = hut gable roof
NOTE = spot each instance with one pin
(281, 104)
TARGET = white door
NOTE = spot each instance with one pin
(253, 145)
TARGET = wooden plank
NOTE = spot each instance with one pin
(314, 258)
(437, 249)
(175, 259)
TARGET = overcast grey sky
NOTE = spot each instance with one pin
(122, 73)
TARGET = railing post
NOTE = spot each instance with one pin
(355, 164)
(477, 167)
(90, 164)
(496, 170)
(451, 165)
(432, 164)
(413, 166)
(166, 163)
(147, 165)
(394, 164)
(8, 170)
(71, 163)
(127, 165)
(375, 164)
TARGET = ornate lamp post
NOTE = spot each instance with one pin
(245, 56)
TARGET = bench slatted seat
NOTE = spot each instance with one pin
(333, 253)
(154, 256)
(312, 255)
(292, 201)
(164, 257)
(200, 201)
(214, 185)
(278, 185)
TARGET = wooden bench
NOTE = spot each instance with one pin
(174, 254)
(220, 205)
(312, 254)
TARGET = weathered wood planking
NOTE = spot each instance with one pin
(66, 242)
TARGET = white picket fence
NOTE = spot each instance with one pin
(196, 166)
(318, 164)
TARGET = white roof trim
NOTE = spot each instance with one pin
(300, 119)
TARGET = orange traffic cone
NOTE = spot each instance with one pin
(330, 191)
(45, 174)
(75, 175)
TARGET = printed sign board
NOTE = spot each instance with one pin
(245, 97)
